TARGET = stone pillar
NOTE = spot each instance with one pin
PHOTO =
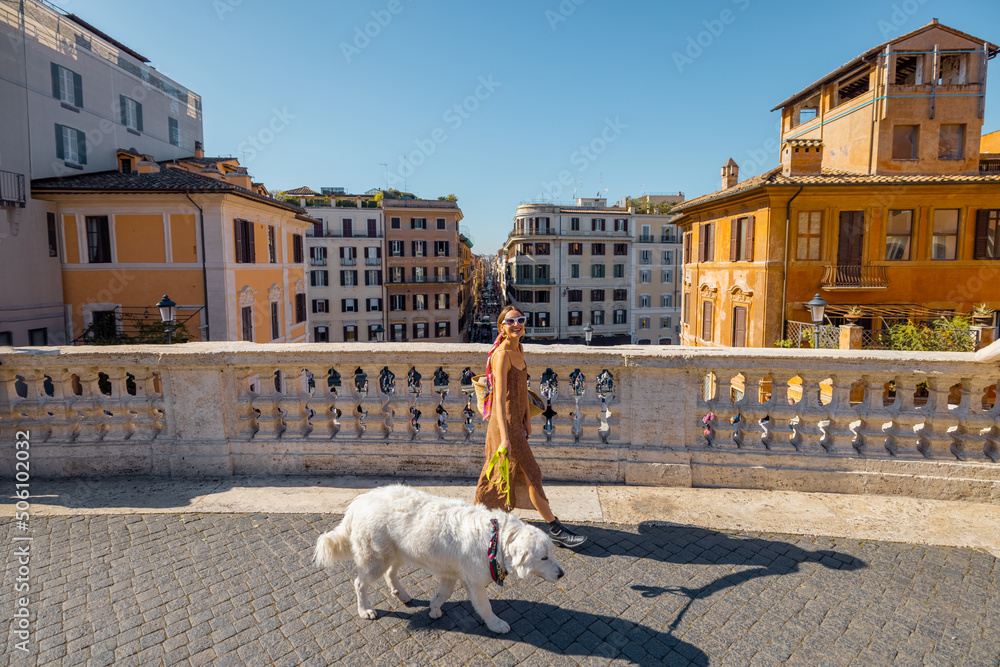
(850, 337)
(985, 335)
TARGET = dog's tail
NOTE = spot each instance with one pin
(334, 545)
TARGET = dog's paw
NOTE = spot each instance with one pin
(403, 596)
(498, 625)
(435, 612)
(368, 614)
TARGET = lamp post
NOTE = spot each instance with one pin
(379, 332)
(588, 332)
(168, 313)
(817, 308)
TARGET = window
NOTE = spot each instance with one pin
(297, 255)
(951, 142)
(807, 246)
(597, 224)
(596, 270)
(542, 272)
(319, 278)
(621, 224)
(347, 228)
(348, 305)
(394, 223)
(686, 308)
(668, 257)
(50, 221)
(541, 248)
(373, 305)
(441, 223)
(246, 323)
(541, 318)
(667, 276)
(300, 308)
(321, 305)
(243, 237)
(131, 113)
(945, 240)
(706, 320)
(372, 228)
(397, 332)
(597, 317)
(897, 235)
(348, 278)
(395, 249)
(597, 295)
(576, 248)
(372, 334)
(645, 256)
(443, 329)
(173, 132)
(271, 249)
(524, 296)
(373, 277)
(275, 322)
(396, 274)
(666, 301)
(71, 145)
(420, 274)
(665, 322)
(622, 249)
(67, 86)
(420, 329)
(442, 301)
(596, 248)
(643, 322)
(909, 69)
(706, 242)
(620, 315)
(38, 337)
(574, 270)
(574, 295)
(905, 142)
(852, 87)
(621, 295)
(574, 224)
(350, 333)
(321, 335)
(419, 248)
(397, 302)
(619, 270)
(418, 223)
(952, 69)
(645, 276)
(987, 244)
(542, 297)
(575, 318)
(441, 249)
(98, 240)
(686, 259)
(739, 326)
(419, 302)
(348, 256)
(645, 301)
(741, 239)
(441, 274)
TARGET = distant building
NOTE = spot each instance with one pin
(656, 257)
(70, 97)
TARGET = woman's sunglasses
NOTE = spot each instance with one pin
(511, 321)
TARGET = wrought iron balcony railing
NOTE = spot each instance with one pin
(12, 192)
(854, 276)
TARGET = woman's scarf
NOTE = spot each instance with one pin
(500, 459)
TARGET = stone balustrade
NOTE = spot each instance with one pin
(918, 424)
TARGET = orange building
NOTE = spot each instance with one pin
(197, 229)
(883, 200)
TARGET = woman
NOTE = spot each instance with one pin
(509, 428)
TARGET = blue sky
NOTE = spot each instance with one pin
(501, 103)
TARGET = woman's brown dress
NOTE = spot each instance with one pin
(524, 471)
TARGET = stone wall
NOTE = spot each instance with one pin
(917, 424)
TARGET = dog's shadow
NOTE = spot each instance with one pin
(558, 630)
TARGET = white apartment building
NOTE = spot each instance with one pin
(657, 256)
(70, 96)
(345, 266)
(568, 267)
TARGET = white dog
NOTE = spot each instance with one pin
(396, 525)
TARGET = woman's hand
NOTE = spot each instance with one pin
(504, 447)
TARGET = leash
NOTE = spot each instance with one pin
(495, 555)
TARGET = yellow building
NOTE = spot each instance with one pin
(883, 200)
(196, 229)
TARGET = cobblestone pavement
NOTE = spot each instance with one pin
(235, 589)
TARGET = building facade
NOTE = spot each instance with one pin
(656, 257)
(883, 201)
(70, 96)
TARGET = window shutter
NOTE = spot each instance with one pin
(739, 326)
(238, 241)
(81, 147)
(121, 107)
(138, 116)
(55, 80)
(378, 252)
(313, 305)
(749, 249)
(77, 90)
(734, 238)
(343, 280)
(413, 223)
(625, 222)
(593, 224)
(981, 247)
(380, 304)
(702, 236)
(60, 149)
(343, 305)
(252, 253)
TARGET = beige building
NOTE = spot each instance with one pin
(86, 95)
(656, 257)
(422, 276)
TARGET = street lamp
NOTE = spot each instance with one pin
(817, 308)
(588, 332)
(168, 313)
(379, 332)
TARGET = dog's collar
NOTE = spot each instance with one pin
(495, 555)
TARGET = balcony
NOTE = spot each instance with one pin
(812, 420)
(539, 331)
(311, 233)
(646, 238)
(348, 261)
(854, 277)
(669, 238)
(533, 281)
(373, 261)
(317, 261)
(12, 192)
(448, 278)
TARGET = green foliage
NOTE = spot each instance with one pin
(784, 343)
(450, 197)
(944, 335)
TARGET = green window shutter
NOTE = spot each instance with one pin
(81, 146)
(55, 80)
(77, 90)
(138, 116)
(121, 106)
(60, 149)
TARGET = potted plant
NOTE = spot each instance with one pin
(982, 314)
(853, 314)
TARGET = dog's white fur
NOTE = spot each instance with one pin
(396, 525)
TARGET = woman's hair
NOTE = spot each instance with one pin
(488, 399)
(503, 314)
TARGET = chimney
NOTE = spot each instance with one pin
(211, 172)
(146, 167)
(199, 149)
(239, 177)
(730, 174)
(802, 157)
